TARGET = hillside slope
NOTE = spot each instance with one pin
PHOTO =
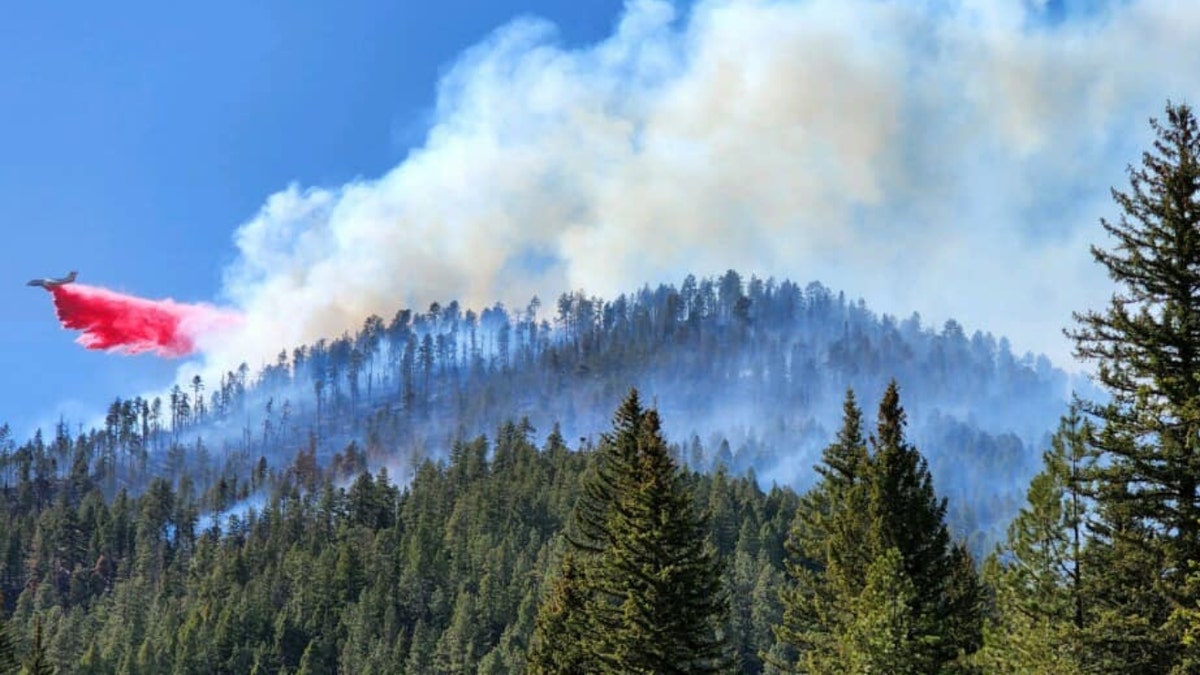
(747, 373)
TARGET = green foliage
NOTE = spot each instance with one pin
(1186, 620)
(879, 636)
(1039, 620)
(8, 651)
(645, 594)
(38, 660)
(829, 558)
(1146, 346)
(660, 572)
(876, 578)
(559, 639)
(443, 575)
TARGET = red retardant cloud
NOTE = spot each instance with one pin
(123, 323)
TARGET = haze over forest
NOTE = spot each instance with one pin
(748, 374)
(740, 340)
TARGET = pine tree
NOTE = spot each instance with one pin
(660, 575)
(647, 595)
(910, 517)
(866, 509)
(961, 611)
(1146, 346)
(1037, 574)
(557, 646)
(879, 635)
(612, 470)
(38, 660)
(827, 559)
(456, 650)
(421, 648)
(569, 609)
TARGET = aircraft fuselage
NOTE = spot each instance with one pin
(52, 283)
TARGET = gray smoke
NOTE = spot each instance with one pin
(947, 157)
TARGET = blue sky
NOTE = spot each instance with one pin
(311, 163)
(138, 135)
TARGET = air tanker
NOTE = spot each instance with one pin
(50, 284)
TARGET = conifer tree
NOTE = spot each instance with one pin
(661, 603)
(560, 629)
(648, 597)
(873, 526)
(38, 660)
(569, 609)
(1037, 574)
(828, 561)
(961, 610)
(908, 515)
(612, 470)
(879, 635)
(1146, 348)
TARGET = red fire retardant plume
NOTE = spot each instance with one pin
(122, 323)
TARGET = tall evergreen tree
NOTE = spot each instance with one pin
(568, 610)
(872, 526)
(612, 470)
(879, 635)
(38, 660)
(961, 610)
(1146, 347)
(1037, 574)
(827, 559)
(661, 573)
(650, 593)
(909, 516)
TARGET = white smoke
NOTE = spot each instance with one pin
(947, 157)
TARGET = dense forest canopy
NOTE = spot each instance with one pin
(317, 458)
(747, 373)
(405, 499)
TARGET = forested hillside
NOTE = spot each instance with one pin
(345, 498)
(377, 503)
(268, 474)
(339, 567)
(342, 512)
(747, 373)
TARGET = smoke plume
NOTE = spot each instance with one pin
(122, 323)
(947, 157)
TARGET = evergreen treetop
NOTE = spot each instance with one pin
(876, 578)
(645, 593)
(1146, 349)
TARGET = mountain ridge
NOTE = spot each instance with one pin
(748, 373)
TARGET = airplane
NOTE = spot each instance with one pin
(53, 283)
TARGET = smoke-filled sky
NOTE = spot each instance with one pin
(312, 165)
